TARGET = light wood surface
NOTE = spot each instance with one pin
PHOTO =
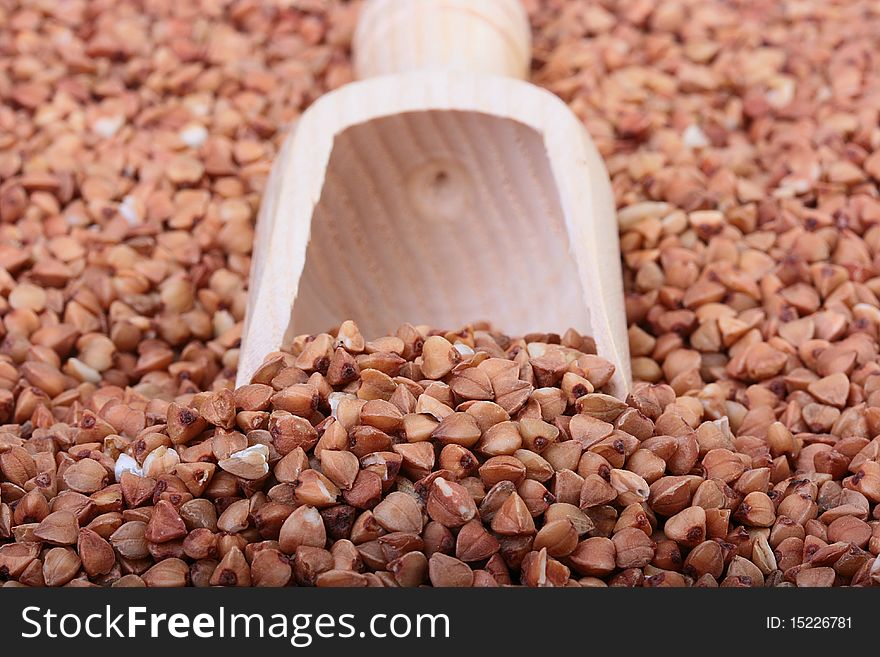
(429, 217)
(476, 36)
(438, 197)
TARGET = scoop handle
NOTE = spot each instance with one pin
(477, 36)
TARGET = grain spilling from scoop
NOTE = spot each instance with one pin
(449, 458)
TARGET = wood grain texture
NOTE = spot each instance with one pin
(476, 36)
(437, 197)
(440, 218)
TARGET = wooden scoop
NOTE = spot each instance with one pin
(439, 189)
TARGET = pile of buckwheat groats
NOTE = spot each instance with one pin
(744, 148)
